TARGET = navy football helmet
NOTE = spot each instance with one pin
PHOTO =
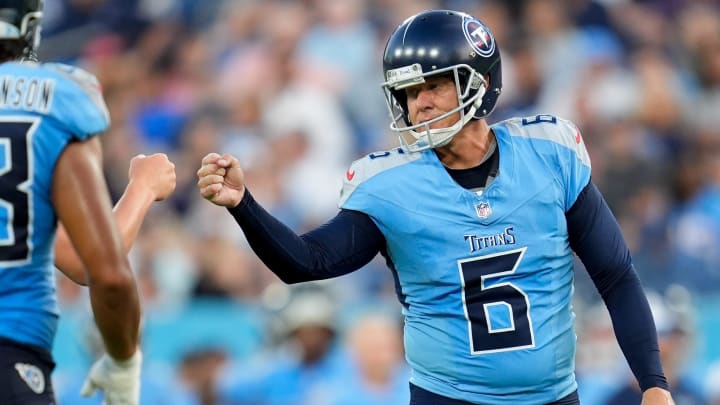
(441, 42)
(20, 20)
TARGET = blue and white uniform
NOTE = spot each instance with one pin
(43, 107)
(485, 277)
(485, 280)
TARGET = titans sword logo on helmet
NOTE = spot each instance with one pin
(479, 36)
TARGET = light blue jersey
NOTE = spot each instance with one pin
(43, 107)
(486, 280)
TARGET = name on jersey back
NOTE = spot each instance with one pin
(26, 93)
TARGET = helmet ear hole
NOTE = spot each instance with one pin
(400, 101)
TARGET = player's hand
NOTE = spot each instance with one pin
(657, 396)
(221, 180)
(154, 173)
(119, 380)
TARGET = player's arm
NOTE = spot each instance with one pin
(342, 245)
(151, 178)
(597, 239)
(83, 206)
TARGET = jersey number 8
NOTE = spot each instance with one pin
(15, 159)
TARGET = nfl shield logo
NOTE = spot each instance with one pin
(32, 376)
(483, 209)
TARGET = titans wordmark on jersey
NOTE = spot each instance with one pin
(485, 281)
(42, 108)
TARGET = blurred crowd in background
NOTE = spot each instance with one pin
(292, 88)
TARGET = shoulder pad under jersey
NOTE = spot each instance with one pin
(548, 127)
(79, 101)
(372, 164)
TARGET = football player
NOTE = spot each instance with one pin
(50, 170)
(478, 224)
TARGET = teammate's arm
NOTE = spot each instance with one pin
(151, 178)
(83, 206)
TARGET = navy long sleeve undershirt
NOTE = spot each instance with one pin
(351, 239)
(597, 239)
(344, 244)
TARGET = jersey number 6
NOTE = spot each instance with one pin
(498, 314)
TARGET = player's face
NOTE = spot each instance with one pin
(431, 99)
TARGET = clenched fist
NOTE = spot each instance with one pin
(155, 173)
(221, 180)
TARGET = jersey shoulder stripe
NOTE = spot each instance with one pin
(550, 128)
(370, 165)
(79, 84)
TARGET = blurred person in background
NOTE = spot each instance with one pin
(225, 271)
(712, 384)
(53, 170)
(198, 371)
(679, 247)
(300, 369)
(379, 373)
(333, 54)
(478, 224)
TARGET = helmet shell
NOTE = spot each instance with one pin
(439, 39)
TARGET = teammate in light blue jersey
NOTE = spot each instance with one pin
(50, 170)
(478, 224)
